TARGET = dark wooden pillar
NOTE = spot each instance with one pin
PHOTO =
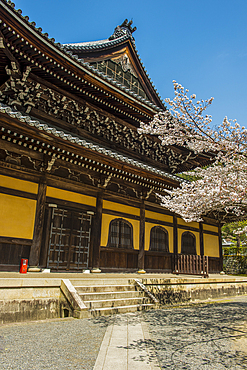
(38, 227)
(201, 239)
(175, 235)
(96, 233)
(45, 246)
(220, 248)
(175, 244)
(141, 255)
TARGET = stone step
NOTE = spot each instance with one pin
(104, 288)
(120, 309)
(104, 303)
(102, 281)
(110, 295)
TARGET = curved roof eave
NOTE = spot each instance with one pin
(88, 144)
(68, 55)
(108, 44)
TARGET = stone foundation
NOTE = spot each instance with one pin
(26, 299)
(19, 301)
(177, 291)
(26, 310)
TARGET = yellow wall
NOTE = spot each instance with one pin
(190, 224)
(106, 219)
(17, 184)
(211, 245)
(148, 227)
(197, 235)
(158, 216)
(121, 208)
(17, 216)
(70, 196)
(211, 228)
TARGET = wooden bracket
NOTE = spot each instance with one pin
(14, 62)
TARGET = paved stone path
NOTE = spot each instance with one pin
(210, 337)
(118, 349)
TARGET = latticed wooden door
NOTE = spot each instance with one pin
(69, 240)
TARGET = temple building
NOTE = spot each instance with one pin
(78, 183)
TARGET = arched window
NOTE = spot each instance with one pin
(120, 234)
(159, 239)
(188, 243)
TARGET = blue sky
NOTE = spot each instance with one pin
(199, 43)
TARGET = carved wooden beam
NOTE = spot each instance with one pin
(14, 62)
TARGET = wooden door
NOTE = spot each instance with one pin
(69, 240)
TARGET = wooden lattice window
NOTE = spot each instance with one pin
(159, 239)
(126, 78)
(188, 243)
(120, 234)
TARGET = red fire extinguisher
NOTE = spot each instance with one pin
(23, 266)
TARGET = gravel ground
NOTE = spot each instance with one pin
(210, 337)
(64, 344)
(200, 337)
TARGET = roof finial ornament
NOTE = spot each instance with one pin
(124, 29)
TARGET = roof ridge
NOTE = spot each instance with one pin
(127, 36)
(93, 46)
(97, 43)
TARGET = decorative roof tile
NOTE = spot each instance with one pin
(50, 129)
(121, 33)
(85, 45)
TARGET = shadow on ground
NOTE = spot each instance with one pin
(210, 336)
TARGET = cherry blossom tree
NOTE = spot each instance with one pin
(219, 189)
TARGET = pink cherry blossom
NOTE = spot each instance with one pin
(219, 189)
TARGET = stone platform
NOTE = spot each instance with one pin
(38, 296)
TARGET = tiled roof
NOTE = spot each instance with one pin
(48, 128)
(100, 44)
(106, 43)
(87, 65)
